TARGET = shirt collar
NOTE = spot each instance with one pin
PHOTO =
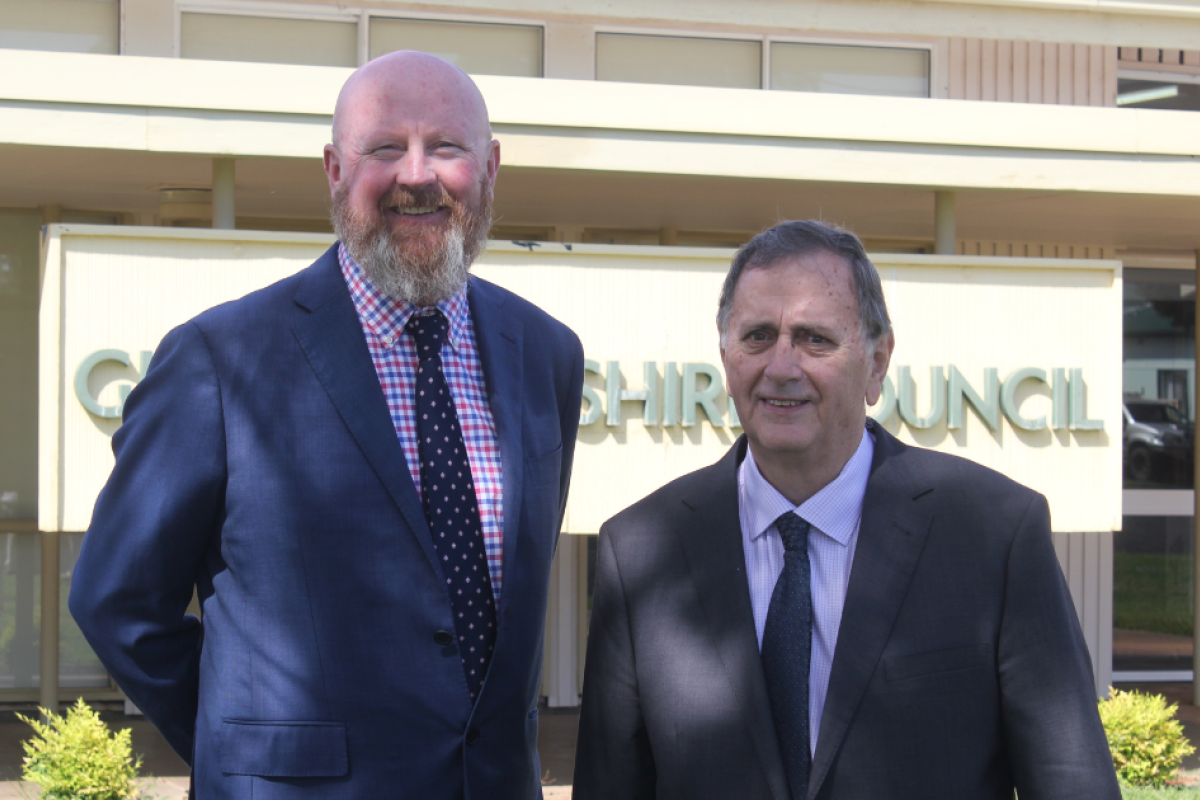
(834, 510)
(386, 317)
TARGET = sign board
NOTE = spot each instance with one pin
(1014, 363)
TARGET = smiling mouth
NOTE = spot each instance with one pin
(415, 211)
(782, 403)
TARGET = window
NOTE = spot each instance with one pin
(225, 37)
(479, 48)
(1180, 94)
(679, 60)
(65, 26)
(1154, 78)
(850, 69)
(1159, 369)
(1152, 595)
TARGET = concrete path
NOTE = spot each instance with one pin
(149, 789)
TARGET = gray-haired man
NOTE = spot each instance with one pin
(826, 612)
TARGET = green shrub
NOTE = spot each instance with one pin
(1146, 740)
(75, 757)
(1147, 793)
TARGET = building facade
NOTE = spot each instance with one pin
(1045, 148)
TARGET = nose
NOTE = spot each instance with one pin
(415, 170)
(784, 362)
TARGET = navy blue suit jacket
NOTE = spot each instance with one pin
(258, 463)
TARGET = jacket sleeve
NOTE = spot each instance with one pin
(1056, 743)
(613, 758)
(151, 527)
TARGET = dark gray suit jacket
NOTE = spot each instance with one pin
(960, 670)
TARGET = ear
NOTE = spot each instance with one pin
(725, 366)
(333, 168)
(880, 360)
(493, 164)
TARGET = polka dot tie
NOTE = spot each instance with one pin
(450, 505)
(787, 650)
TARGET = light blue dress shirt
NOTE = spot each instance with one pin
(834, 513)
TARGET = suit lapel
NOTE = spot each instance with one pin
(332, 340)
(498, 336)
(891, 537)
(713, 548)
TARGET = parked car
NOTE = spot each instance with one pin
(1158, 442)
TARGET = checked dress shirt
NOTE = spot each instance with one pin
(395, 357)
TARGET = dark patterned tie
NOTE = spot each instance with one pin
(787, 650)
(450, 505)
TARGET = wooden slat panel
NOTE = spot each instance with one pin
(1080, 81)
(958, 69)
(1095, 75)
(1173, 57)
(973, 82)
(1020, 72)
(1102, 659)
(1066, 83)
(1049, 73)
(987, 69)
(1037, 53)
(1110, 77)
(1128, 54)
(1074, 572)
(1086, 561)
(1090, 618)
(1191, 58)
(1151, 56)
(1004, 71)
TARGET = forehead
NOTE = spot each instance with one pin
(433, 101)
(816, 283)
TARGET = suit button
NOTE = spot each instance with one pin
(472, 735)
(443, 638)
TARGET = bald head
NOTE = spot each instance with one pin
(408, 80)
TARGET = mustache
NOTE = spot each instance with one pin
(422, 197)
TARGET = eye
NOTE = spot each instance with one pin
(758, 337)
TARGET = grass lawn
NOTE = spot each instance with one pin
(1152, 592)
(1170, 793)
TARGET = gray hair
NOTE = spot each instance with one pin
(798, 238)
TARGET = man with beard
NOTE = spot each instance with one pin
(361, 470)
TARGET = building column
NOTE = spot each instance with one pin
(51, 213)
(1196, 506)
(945, 236)
(48, 696)
(223, 194)
(561, 664)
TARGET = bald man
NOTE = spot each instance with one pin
(361, 471)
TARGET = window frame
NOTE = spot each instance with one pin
(931, 46)
(847, 41)
(360, 15)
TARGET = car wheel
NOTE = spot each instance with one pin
(1139, 464)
